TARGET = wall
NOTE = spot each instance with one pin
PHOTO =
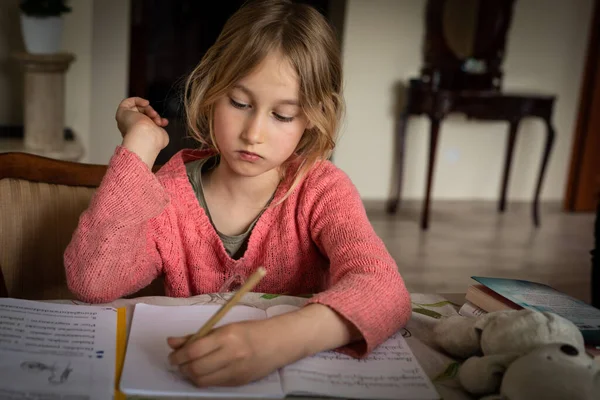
(382, 48)
(97, 32)
(110, 75)
(77, 39)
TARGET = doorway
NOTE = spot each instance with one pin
(583, 188)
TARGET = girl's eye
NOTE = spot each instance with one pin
(244, 106)
(282, 118)
(236, 104)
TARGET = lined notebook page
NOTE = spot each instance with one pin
(391, 371)
(146, 370)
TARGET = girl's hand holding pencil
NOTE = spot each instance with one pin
(242, 352)
(230, 355)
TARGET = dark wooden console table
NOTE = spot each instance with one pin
(481, 105)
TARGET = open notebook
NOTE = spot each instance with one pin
(390, 372)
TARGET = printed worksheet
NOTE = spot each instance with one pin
(56, 351)
(390, 371)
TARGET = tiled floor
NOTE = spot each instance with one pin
(471, 238)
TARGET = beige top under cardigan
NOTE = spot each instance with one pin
(234, 245)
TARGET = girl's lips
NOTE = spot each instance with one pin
(249, 156)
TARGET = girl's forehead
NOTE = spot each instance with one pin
(274, 72)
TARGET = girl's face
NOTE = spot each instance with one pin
(258, 124)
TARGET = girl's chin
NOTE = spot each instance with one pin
(249, 170)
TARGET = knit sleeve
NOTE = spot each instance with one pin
(365, 285)
(114, 249)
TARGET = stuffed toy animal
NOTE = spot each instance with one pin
(519, 355)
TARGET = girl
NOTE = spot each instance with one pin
(265, 104)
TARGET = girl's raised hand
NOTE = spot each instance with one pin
(142, 128)
(137, 111)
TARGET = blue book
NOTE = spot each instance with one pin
(540, 297)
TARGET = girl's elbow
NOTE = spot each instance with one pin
(92, 293)
(88, 288)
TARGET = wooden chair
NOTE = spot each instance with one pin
(40, 205)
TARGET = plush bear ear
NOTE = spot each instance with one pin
(483, 321)
(483, 375)
(457, 336)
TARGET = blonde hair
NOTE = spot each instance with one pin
(303, 36)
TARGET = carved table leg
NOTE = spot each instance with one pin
(545, 158)
(510, 147)
(400, 143)
(433, 142)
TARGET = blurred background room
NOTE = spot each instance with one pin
(452, 106)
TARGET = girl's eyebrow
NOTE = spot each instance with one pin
(249, 93)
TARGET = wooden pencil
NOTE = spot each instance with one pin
(246, 287)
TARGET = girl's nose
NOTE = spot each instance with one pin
(254, 130)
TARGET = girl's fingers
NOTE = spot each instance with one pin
(209, 364)
(192, 351)
(226, 376)
(134, 102)
(138, 101)
(143, 106)
(153, 114)
(177, 342)
(149, 111)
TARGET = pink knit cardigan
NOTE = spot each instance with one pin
(318, 241)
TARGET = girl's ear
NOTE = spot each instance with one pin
(310, 125)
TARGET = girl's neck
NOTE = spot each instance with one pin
(255, 190)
